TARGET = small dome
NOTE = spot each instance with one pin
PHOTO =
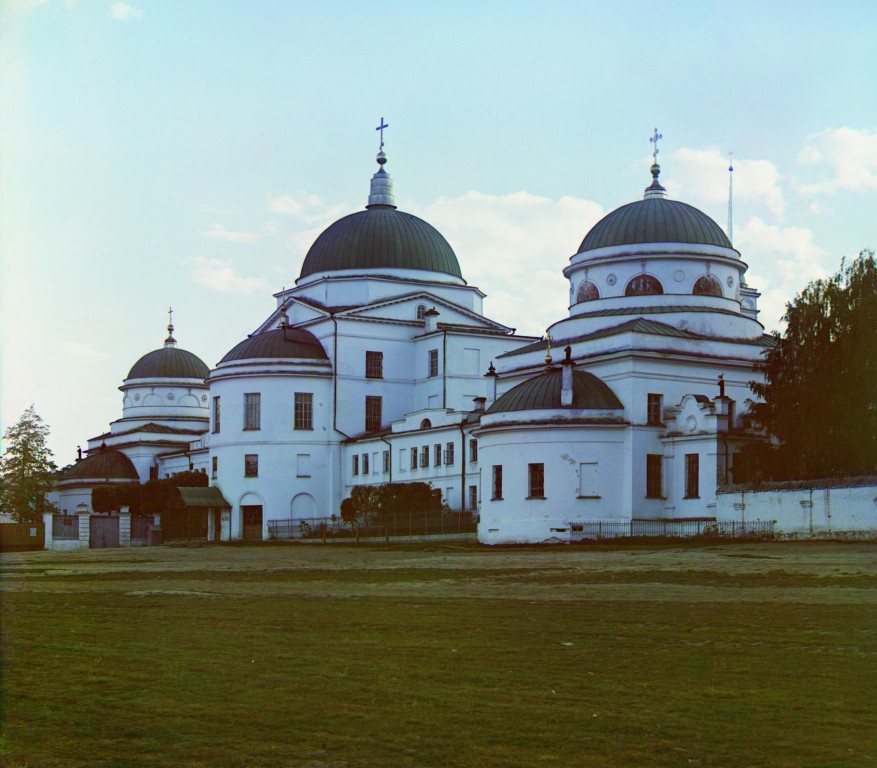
(105, 464)
(281, 343)
(381, 237)
(543, 393)
(169, 363)
(654, 220)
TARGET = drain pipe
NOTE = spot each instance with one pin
(462, 468)
(335, 399)
(383, 439)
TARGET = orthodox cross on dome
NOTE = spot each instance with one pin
(656, 137)
(170, 341)
(381, 129)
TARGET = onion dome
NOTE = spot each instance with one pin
(280, 344)
(543, 392)
(105, 464)
(381, 237)
(169, 362)
(654, 219)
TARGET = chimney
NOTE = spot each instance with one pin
(479, 404)
(430, 319)
(566, 379)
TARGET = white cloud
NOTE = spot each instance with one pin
(219, 275)
(846, 157)
(123, 12)
(515, 246)
(703, 173)
(307, 208)
(221, 233)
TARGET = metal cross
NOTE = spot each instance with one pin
(381, 129)
(654, 140)
(170, 315)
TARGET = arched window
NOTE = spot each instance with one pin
(707, 285)
(426, 424)
(644, 285)
(421, 311)
(587, 292)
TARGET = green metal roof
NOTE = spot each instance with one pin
(543, 392)
(204, 497)
(381, 237)
(105, 464)
(169, 363)
(281, 343)
(654, 220)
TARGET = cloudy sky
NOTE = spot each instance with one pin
(158, 152)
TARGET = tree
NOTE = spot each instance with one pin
(820, 380)
(26, 467)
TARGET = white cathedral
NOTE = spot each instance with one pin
(379, 366)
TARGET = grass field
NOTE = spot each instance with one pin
(440, 655)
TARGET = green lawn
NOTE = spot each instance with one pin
(756, 655)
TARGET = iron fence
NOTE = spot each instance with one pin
(383, 526)
(65, 527)
(622, 529)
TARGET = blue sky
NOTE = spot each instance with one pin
(188, 153)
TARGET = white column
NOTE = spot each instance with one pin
(125, 526)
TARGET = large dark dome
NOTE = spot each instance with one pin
(381, 237)
(105, 464)
(543, 392)
(169, 363)
(279, 344)
(655, 220)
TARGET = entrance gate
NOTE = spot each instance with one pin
(103, 532)
(252, 522)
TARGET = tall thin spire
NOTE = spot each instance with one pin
(731, 197)
(381, 192)
(170, 341)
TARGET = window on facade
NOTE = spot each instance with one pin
(216, 422)
(655, 409)
(374, 365)
(386, 462)
(473, 450)
(373, 408)
(253, 411)
(414, 458)
(644, 285)
(437, 454)
(473, 497)
(303, 465)
(449, 454)
(365, 463)
(304, 411)
(692, 475)
(536, 476)
(707, 285)
(214, 466)
(497, 481)
(426, 424)
(355, 463)
(421, 311)
(153, 473)
(654, 479)
(587, 292)
(433, 363)
(424, 456)
(251, 465)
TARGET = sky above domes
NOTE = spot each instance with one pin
(188, 154)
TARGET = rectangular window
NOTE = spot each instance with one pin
(433, 363)
(424, 456)
(449, 455)
(437, 454)
(414, 458)
(374, 365)
(365, 463)
(251, 465)
(253, 411)
(304, 411)
(373, 408)
(216, 422)
(386, 462)
(654, 480)
(402, 463)
(588, 479)
(473, 497)
(655, 411)
(537, 481)
(497, 481)
(214, 466)
(473, 450)
(303, 465)
(692, 476)
(355, 463)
